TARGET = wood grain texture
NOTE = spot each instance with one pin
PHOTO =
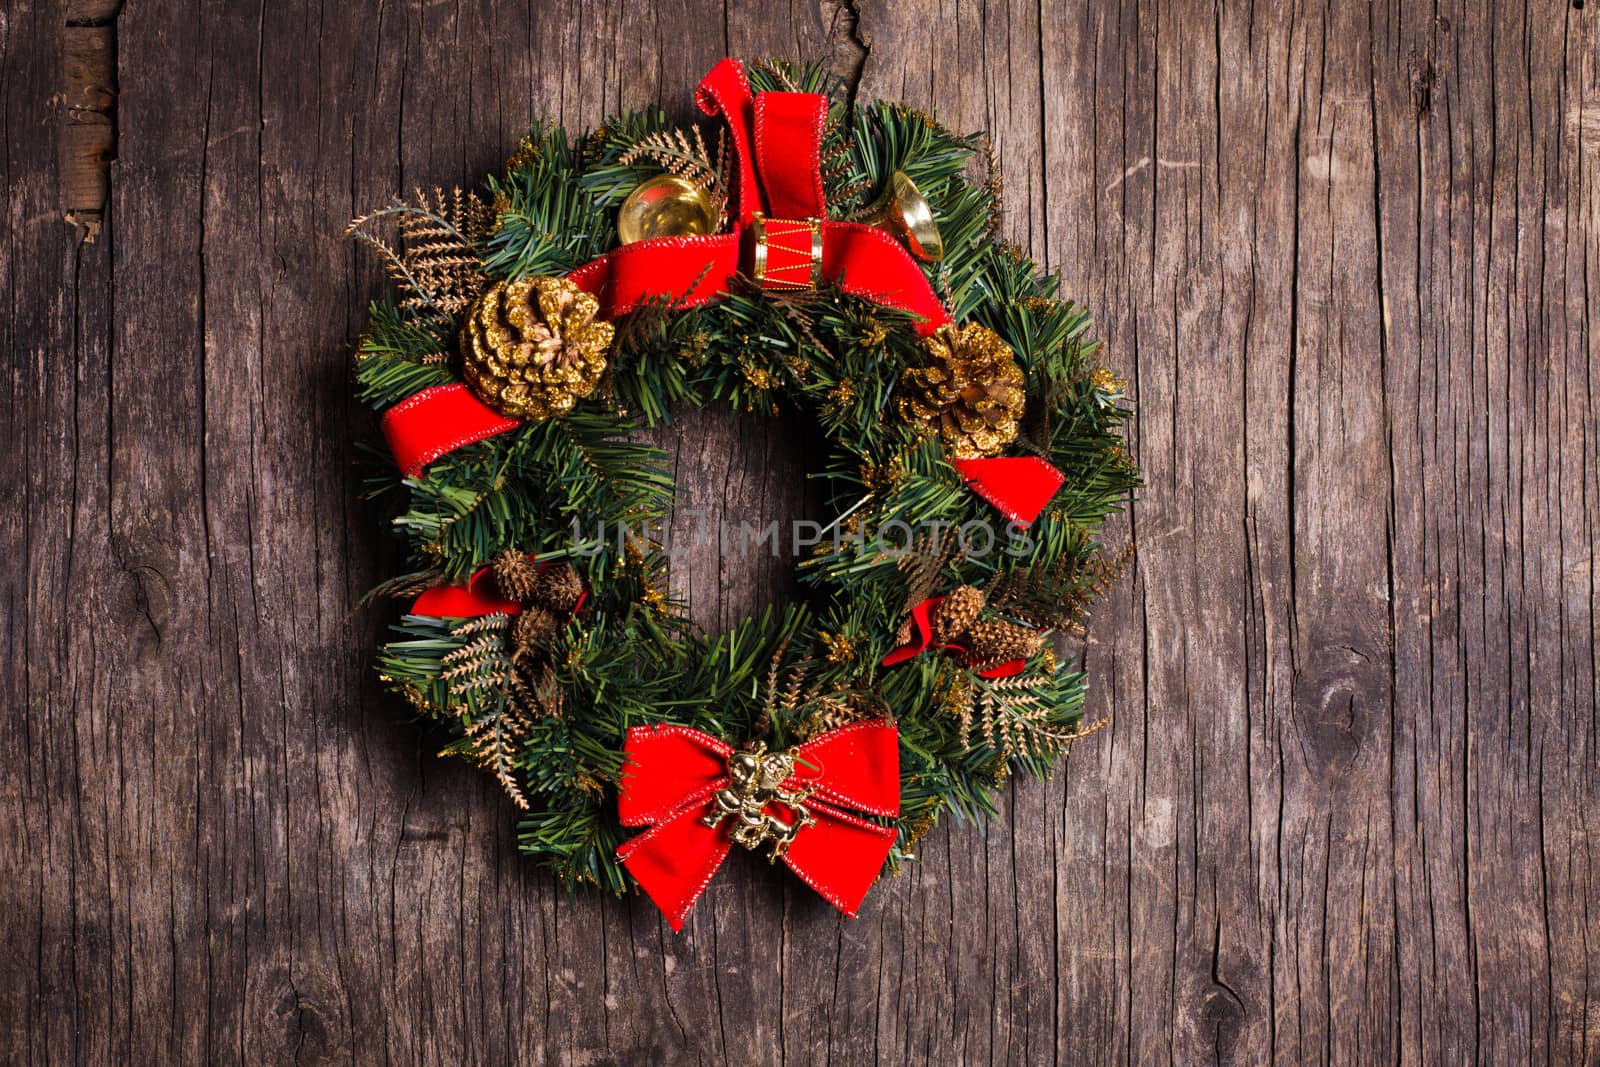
(1347, 254)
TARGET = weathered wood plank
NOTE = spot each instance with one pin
(1345, 812)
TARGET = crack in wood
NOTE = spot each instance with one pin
(851, 47)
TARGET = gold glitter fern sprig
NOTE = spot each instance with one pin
(809, 706)
(1058, 596)
(484, 676)
(437, 264)
(1014, 716)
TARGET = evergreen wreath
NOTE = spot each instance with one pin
(541, 640)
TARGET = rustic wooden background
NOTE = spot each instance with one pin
(1348, 256)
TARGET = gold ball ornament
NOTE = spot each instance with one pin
(906, 213)
(533, 348)
(666, 206)
(968, 389)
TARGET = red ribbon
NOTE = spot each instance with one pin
(777, 139)
(1020, 486)
(922, 640)
(670, 784)
(436, 420)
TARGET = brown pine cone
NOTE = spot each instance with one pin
(515, 575)
(559, 589)
(968, 389)
(956, 612)
(533, 626)
(533, 348)
(995, 641)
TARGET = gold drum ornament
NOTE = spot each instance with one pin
(786, 253)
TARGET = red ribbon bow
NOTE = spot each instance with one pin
(678, 778)
(777, 140)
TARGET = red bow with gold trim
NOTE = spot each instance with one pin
(777, 140)
(700, 797)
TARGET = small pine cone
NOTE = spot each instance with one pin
(994, 641)
(516, 576)
(532, 628)
(559, 589)
(956, 612)
(532, 348)
(967, 388)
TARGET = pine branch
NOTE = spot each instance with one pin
(403, 585)
(550, 219)
(398, 356)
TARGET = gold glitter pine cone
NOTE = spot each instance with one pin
(968, 389)
(956, 612)
(532, 348)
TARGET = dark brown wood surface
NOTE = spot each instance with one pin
(1348, 256)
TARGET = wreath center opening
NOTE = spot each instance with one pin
(744, 508)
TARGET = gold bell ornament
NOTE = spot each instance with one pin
(906, 213)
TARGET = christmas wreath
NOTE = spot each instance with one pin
(834, 258)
